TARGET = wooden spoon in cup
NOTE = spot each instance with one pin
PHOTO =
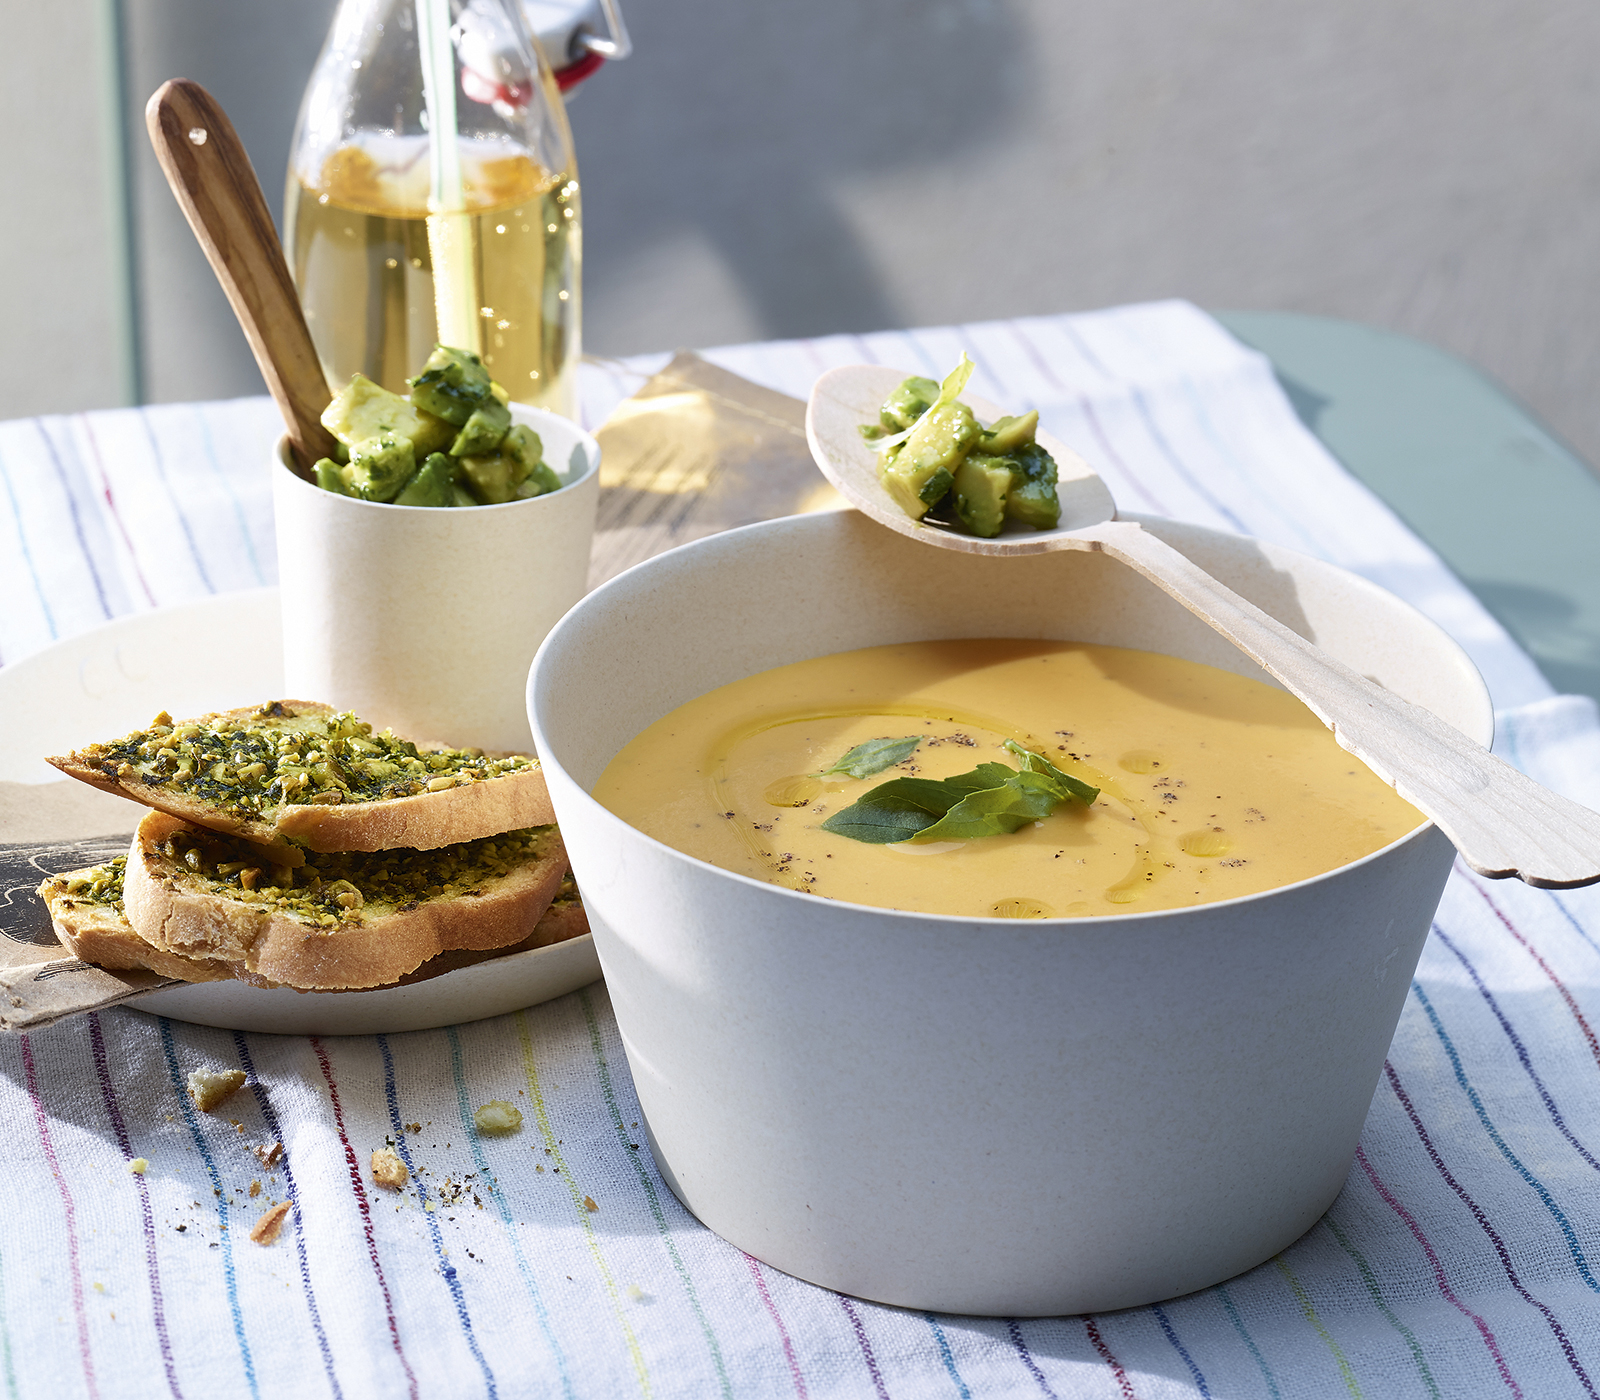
(1501, 822)
(216, 186)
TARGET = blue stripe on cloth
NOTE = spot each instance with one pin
(446, 1268)
(503, 1206)
(608, 1093)
(1183, 1351)
(176, 502)
(27, 551)
(1518, 1048)
(186, 1105)
(1556, 1213)
(1014, 1331)
(232, 495)
(286, 1166)
(77, 518)
(1238, 1326)
(944, 1355)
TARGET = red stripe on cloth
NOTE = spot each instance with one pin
(1123, 1383)
(1433, 1259)
(43, 1122)
(1560, 986)
(366, 1212)
(111, 505)
(783, 1332)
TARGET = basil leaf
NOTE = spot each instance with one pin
(985, 775)
(873, 757)
(893, 811)
(1024, 798)
(1038, 763)
(878, 825)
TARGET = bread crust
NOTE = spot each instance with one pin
(178, 912)
(101, 934)
(422, 821)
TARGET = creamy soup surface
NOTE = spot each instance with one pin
(1211, 785)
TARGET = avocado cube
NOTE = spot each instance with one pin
(433, 485)
(364, 410)
(523, 443)
(482, 432)
(330, 477)
(1006, 435)
(1032, 499)
(982, 483)
(937, 488)
(460, 496)
(913, 398)
(541, 481)
(452, 385)
(493, 479)
(941, 438)
(380, 466)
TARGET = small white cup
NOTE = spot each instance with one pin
(426, 620)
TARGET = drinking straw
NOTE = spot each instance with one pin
(452, 241)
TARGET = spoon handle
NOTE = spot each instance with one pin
(211, 175)
(1501, 822)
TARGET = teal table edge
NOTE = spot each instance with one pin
(1510, 508)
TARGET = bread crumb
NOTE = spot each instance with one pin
(255, 1188)
(635, 1293)
(99, 1288)
(268, 1155)
(265, 1230)
(138, 1166)
(208, 1088)
(431, 1206)
(589, 1205)
(497, 1117)
(388, 1171)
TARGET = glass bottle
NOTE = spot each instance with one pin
(375, 206)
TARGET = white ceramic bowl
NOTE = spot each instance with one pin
(425, 621)
(1003, 1117)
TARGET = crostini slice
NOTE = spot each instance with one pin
(295, 775)
(341, 921)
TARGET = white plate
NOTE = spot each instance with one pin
(218, 654)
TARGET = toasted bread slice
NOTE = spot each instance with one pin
(86, 910)
(341, 921)
(294, 774)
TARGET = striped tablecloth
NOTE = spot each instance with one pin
(1462, 1259)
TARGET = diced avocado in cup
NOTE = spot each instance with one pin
(380, 466)
(364, 410)
(456, 424)
(483, 430)
(452, 385)
(433, 485)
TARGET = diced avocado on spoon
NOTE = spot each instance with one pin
(450, 443)
(1500, 821)
(940, 459)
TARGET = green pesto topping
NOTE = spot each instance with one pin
(100, 884)
(280, 758)
(348, 887)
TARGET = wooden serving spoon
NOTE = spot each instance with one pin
(217, 187)
(1501, 822)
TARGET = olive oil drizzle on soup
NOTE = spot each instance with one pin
(1211, 785)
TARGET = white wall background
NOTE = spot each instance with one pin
(762, 170)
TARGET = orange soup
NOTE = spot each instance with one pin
(1211, 785)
